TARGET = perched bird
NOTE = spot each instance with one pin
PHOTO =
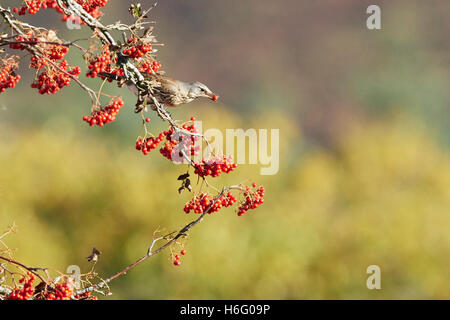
(167, 91)
(94, 255)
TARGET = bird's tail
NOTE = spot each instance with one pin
(108, 75)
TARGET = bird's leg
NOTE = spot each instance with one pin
(143, 95)
(140, 104)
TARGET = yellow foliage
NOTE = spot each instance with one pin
(383, 197)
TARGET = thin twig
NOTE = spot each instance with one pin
(30, 269)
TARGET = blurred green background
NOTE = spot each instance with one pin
(364, 176)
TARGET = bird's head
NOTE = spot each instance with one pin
(198, 89)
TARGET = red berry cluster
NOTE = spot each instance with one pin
(56, 52)
(53, 52)
(54, 78)
(253, 199)
(167, 150)
(177, 262)
(150, 67)
(102, 63)
(190, 143)
(85, 296)
(62, 291)
(38, 63)
(138, 50)
(26, 291)
(33, 7)
(92, 6)
(201, 202)
(176, 145)
(18, 46)
(51, 83)
(149, 144)
(118, 72)
(214, 167)
(105, 114)
(8, 79)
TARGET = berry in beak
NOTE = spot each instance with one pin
(214, 97)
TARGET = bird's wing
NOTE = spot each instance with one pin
(132, 88)
(166, 90)
(152, 79)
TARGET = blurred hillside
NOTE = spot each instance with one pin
(364, 175)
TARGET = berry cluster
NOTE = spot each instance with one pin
(138, 50)
(177, 262)
(148, 144)
(31, 40)
(119, 72)
(26, 291)
(150, 67)
(203, 201)
(105, 114)
(57, 52)
(38, 63)
(214, 167)
(33, 7)
(8, 78)
(53, 52)
(85, 296)
(52, 82)
(181, 143)
(253, 199)
(168, 147)
(61, 291)
(102, 63)
(54, 77)
(92, 6)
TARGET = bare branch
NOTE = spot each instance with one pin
(30, 269)
(181, 233)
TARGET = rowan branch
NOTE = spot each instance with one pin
(17, 27)
(131, 74)
(30, 269)
(181, 233)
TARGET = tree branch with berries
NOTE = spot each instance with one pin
(125, 54)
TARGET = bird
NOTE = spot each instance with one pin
(167, 91)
